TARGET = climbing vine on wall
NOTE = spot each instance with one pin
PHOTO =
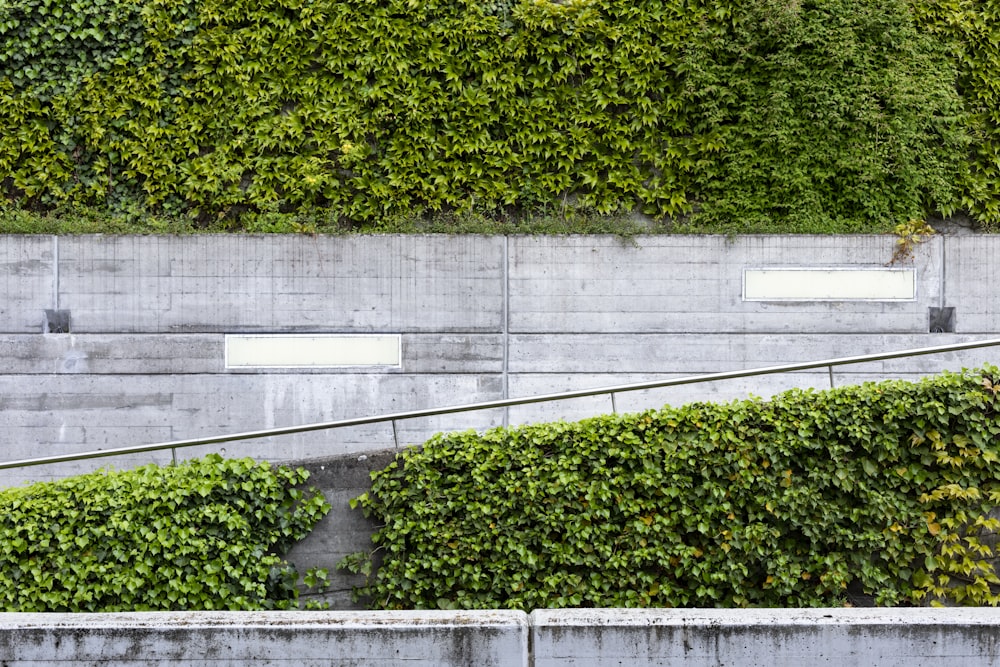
(831, 114)
(205, 534)
(880, 491)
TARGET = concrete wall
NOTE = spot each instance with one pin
(766, 637)
(233, 639)
(545, 638)
(479, 318)
(343, 531)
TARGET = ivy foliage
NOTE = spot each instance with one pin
(51, 46)
(971, 31)
(205, 534)
(839, 114)
(882, 490)
(825, 116)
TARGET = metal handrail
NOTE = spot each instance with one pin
(501, 403)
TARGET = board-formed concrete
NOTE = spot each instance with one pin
(478, 318)
(694, 284)
(27, 282)
(244, 283)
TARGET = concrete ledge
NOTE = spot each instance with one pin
(545, 638)
(766, 637)
(411, 638)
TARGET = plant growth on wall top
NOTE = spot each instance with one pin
(819, 115)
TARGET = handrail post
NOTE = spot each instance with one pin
(614, 405)
(395, 435)
(830, 369)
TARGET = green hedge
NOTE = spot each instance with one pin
(805, 499)
(835, 115)
(205, 534)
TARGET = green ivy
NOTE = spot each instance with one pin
(51, 46)
(879, 489)
(205, 534)
(833, 115)
(837, 112)
(971, 31)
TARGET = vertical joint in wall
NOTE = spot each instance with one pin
(505, 316)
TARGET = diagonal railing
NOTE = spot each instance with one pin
(395, 417)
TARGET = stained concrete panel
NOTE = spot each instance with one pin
(765, 637)
(301, 638)
(27, 282)
(718, 352)
(58, 414)
(343, 531)
(695, 284)
(973, 277)
(238, 283)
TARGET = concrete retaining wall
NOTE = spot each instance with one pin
(343, 531)
(545, 638)
(479, 318)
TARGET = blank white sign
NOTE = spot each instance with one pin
(834, 284)
(311, 350)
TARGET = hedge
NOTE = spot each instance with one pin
(205, 534)
(813, 498)
(836, 115)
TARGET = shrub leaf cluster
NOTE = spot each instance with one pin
(820, 115)
(205, 534)
(879, 492)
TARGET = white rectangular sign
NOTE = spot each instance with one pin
(829, 284)
(312, 350)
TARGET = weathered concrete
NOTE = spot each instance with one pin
(973, 272)
(688, 284)
(239, 283)
(766, 637)
(343, 530)
(27, 282)
(545, 638)
(187, 354)
(303, 639)
(479, 318)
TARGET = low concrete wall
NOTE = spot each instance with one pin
(766, 637)
(545, 638)
(303, 639)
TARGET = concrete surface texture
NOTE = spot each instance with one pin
(343, 531)
(303, 639)
(544, 638)
(111, 341)
(766, 637)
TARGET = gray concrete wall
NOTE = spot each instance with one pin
(545, 638)
(766, 637)
(303, 639)
(343, 531)
(479, 318)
